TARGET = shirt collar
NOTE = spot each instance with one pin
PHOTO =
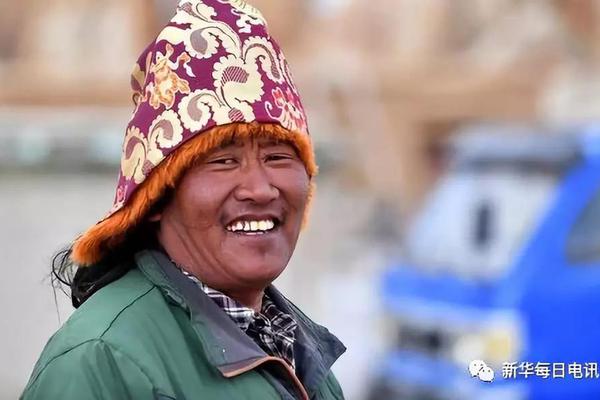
(240, 314)
(272, 329)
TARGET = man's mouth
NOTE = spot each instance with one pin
(248, 226)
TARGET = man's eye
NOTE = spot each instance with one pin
(278, 157)
(223, 161)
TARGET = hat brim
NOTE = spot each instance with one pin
(110, 233)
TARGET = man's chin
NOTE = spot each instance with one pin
(260, 274)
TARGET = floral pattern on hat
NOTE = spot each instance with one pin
(166, 82)
(213, 64)
(141, 153)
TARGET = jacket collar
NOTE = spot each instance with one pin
(315, 348)
(227, 347)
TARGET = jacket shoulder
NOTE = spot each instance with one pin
(99, 314)
(92, 370)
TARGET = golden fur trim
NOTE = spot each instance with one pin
(93, 245)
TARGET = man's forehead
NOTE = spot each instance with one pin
(260, 141)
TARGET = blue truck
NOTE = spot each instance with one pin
(501, 265)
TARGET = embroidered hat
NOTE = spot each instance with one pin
(212, 72)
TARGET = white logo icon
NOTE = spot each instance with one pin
(479, 368)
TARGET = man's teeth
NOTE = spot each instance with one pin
(252, 226)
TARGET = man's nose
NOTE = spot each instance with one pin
(255, 185)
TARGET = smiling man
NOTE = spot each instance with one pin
(173, 286)
(235, 217)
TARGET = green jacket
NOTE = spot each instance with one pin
(153, 334)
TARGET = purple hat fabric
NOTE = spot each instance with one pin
(213, 64)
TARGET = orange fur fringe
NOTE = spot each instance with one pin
(100, 239)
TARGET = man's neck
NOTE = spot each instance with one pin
(250, 299)
(184, 258)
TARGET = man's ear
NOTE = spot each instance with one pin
(155, 217)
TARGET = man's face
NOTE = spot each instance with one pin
(235, 216)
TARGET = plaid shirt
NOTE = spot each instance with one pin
(272, 329)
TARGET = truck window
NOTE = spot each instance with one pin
(478, 219)
(583, 242)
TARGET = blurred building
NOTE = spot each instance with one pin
(390, 76)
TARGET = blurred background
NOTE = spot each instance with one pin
(458, 210)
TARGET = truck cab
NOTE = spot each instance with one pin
(501, 265)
